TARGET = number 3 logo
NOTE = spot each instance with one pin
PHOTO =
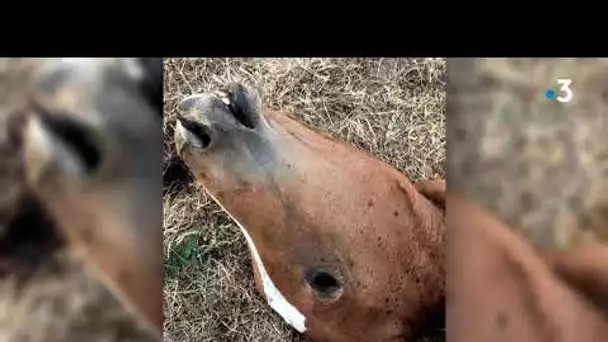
(565, 88)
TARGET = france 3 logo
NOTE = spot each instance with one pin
(563, 94)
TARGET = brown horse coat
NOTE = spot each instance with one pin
(344, 247)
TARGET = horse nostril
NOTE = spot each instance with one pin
(79, 138)
(200, 132)
(234, 97)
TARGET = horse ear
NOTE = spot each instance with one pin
(434, 190)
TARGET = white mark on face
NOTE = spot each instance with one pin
(277, 302)
(223, 96)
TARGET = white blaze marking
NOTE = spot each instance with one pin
(223, 96)
(277, 302)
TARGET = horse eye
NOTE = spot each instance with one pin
(324, 284)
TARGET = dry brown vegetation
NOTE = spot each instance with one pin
(393, 108)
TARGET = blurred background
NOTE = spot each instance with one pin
(540, 164)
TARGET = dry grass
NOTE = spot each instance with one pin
(393, 108)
